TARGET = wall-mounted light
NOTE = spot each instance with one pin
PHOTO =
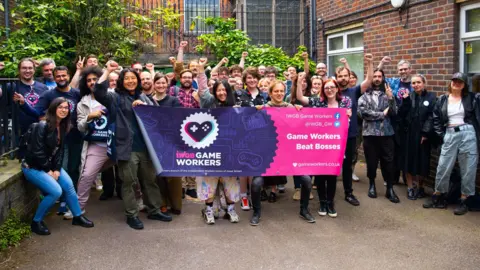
(398, 3)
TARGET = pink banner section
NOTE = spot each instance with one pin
(311, 141)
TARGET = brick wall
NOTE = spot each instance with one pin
(429, 42)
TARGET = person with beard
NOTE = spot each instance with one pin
(147, 84)
(112, 81)
(377, 107)
(351, 95)
(192, 65)
(276, 92)
(456, 122)
(74, 140)
(399, 85)
(416, 112)
(47, 66)
(134, 163)
(94, 152)
(26, 90)
(89, 61)
(222, 97)
(321, 71)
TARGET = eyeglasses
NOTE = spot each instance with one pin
(187, 78)
(328, 88)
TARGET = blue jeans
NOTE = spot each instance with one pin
(52, 190)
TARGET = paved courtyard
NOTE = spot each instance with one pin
(375, 235)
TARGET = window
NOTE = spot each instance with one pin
(470, 43)
(347, 45)
(199, 8)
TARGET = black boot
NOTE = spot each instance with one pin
(39, 228)
(305, 214)
(436, 201)
(420, 193)
(372, 191)
(263, 195)
(391, 195)
(104, 196)
(135, 223)
(160, 216)
(411, 194)
(462, 208)
(255, 218)
(82, 221)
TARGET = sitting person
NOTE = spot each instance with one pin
(42, 165)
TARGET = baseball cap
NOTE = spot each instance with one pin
(460, 76)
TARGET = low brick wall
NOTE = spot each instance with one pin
(16, 193)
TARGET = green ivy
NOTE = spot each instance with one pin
(12, 231)
(227, 41)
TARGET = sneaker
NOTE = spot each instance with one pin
(255, 220)
(355, 177)
(331, 210)
(296, 195)
(192, 193)
(272, 198)
(305, 214)
(421, 193)
(436, 201)
(232, 216)
(263, 195)
(411, 194)
(208, 216)
(245, 204)
(281, 188)
(68, 215)
(135, 223)
(98, 184)
(311, 196)
(323, 208)
(62, 209)
(462, 208)
(350, 198)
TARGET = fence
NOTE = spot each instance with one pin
(9, 126)
(284, 24)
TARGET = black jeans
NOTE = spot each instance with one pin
(306, 188)
(347, 169)
(326, 187)
(380, 148)
(111, 181)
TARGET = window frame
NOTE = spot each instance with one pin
(466, 36)
(345, 49)
(186, 26)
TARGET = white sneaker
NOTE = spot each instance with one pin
(208, 216)
(232, 216)
(245, 204)
(98, 184)
(68, 215)
(355, 178)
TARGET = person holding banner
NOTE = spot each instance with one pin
(330, 97)
(93, 123)
(127, 144)
(207, 186)
(276, 92)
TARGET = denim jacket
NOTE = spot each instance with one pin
(375, 123)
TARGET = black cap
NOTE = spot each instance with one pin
(460, 76)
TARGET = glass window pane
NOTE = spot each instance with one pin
(473, 20)
(472, 56)
(200, 8)
(355, 40)
(336, 43)
(355, 60)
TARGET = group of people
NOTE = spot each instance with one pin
(66, 125)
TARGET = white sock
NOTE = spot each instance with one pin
(243, 195)
(231, 207)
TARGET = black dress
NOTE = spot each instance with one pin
(416, 113)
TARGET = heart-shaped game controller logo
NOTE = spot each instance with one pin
(199, 130)
(295, 165)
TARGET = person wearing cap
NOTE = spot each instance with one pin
(456, 122)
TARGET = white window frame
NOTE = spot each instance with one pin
(344, 50)
(464, 36)
(186, 26)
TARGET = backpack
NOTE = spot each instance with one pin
(25, 140)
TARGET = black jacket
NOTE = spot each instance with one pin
(470, 104)
(426, 105)
(41, 147)
(119, 106)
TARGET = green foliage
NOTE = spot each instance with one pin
(170, 19)
(12, 231)
(227, 41)
(64, 29)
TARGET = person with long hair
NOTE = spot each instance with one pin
(317, 84)
(134, 162)
(276, 92)
(222, 97)
(42, 165)
(90, 116)
(416, 112)
(456, 122)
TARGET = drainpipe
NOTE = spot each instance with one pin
(7, 19)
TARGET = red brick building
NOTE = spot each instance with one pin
(439, 37)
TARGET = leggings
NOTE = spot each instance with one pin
(326, 187)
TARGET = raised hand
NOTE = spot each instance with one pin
(301, 76)
(183, 44)
(150, 66)
(172, 60)
(386, 59)
(343, 60)
(2, 65)
(388, 91)
(368, 57)
(305, 55)
(80, 62)
(244, 54)
(112, 66)
(202, 62)
(224, 60)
